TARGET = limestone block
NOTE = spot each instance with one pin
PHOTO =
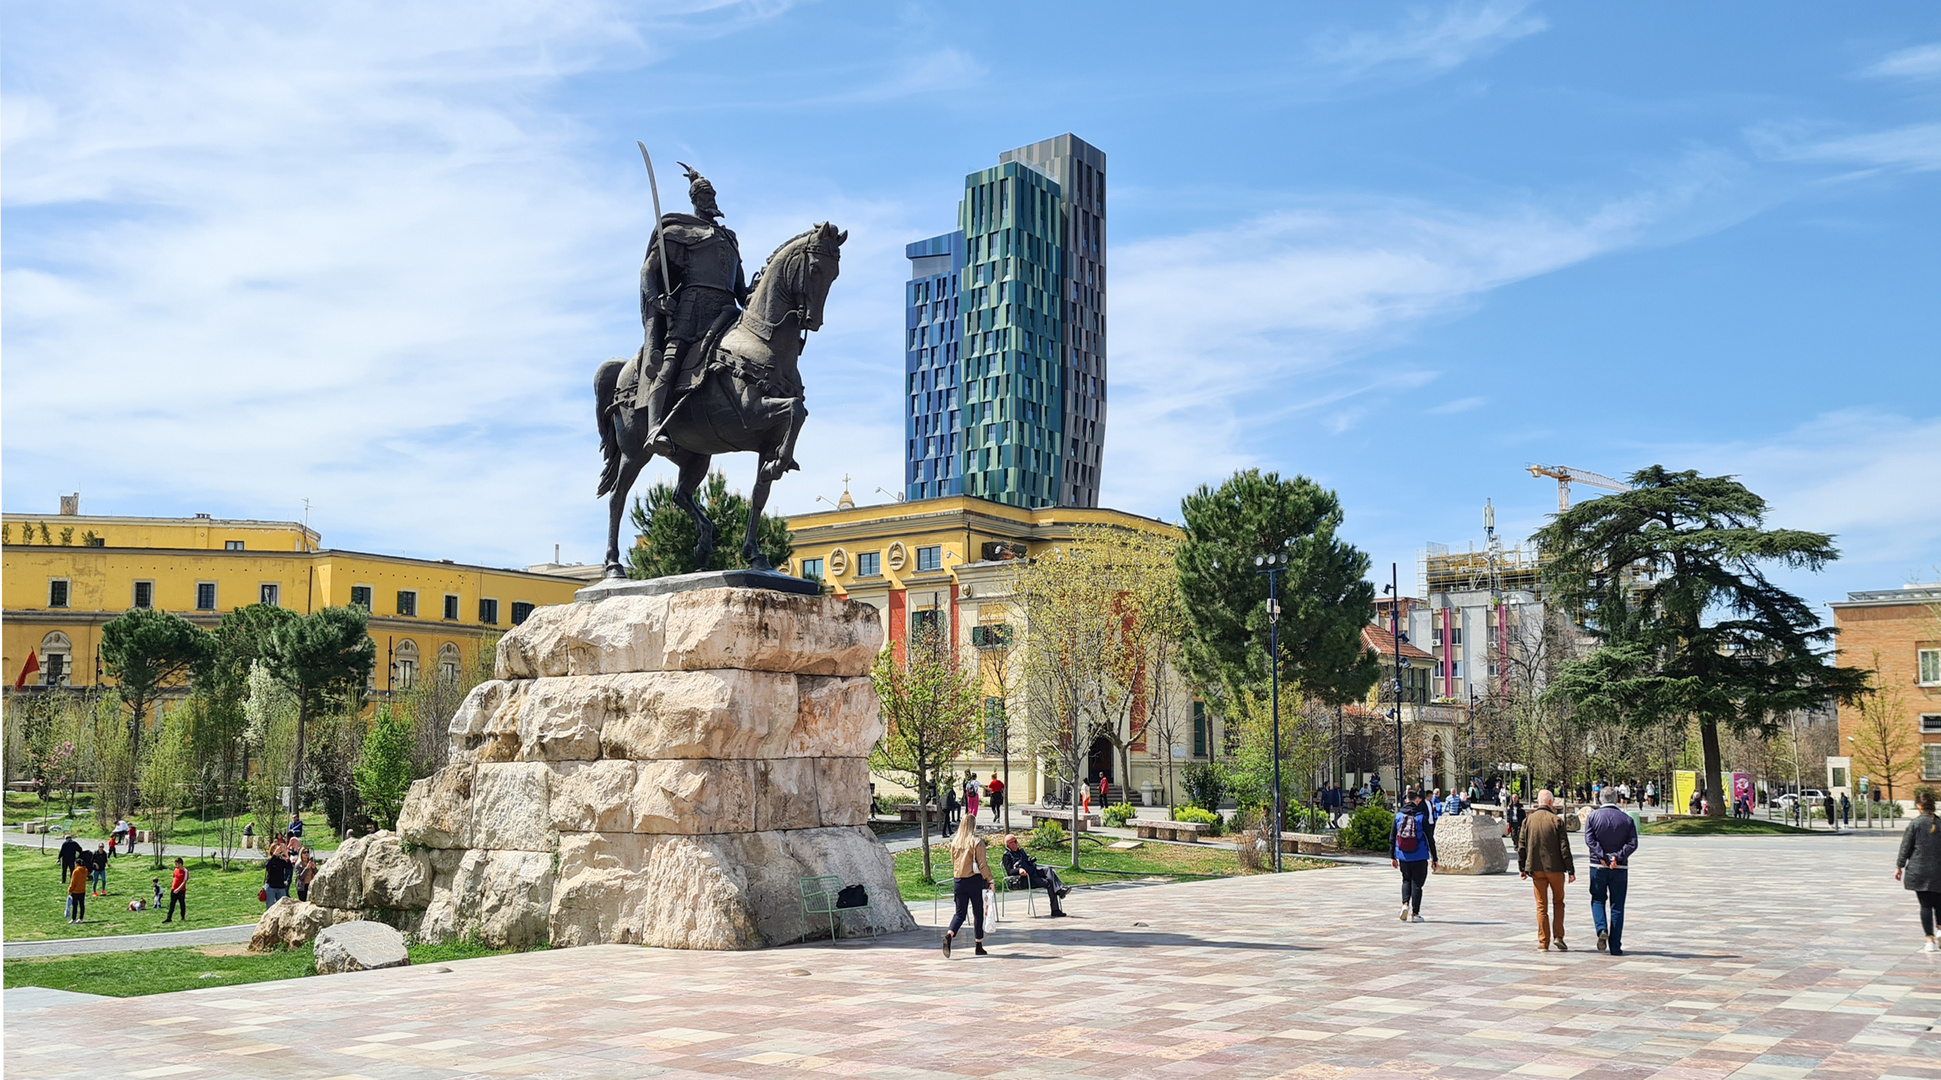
(697, 714)
(751, 629)
(761, 630)
(288, 924)
(785, 794)
(340, 881)
(391, 877)
(502, 897)
(1470, 844)
(511, 807)
(842, 791)
(592, 796)
(712, 892)
(486, 725)
(359, 946)
(437, 811)
(694, 797)
(835, 716)
(560, 719)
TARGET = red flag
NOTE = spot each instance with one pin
(30, 667)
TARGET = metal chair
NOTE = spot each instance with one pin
(822, 896)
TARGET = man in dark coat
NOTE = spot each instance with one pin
(1025, 873)
(70, 854)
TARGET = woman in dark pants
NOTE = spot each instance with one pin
(1918, 867)
(971, 871)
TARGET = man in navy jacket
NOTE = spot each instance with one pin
(1611, 836)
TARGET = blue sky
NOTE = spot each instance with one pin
(369, 255)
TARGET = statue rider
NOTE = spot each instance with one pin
(699, 295)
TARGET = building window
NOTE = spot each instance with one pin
(232, 545)
(925, 622)
(1455, 669)
(408, 603)
(57, 593)
(994, 725)
(404, 664)
(1931, 723)
(360, 596)
(869, 564)
(1931, 761)
(1929, 661)
(1455, 635)
(991, 636)
(930, 558)
(56, 659)
(205, 596)
(144, 594)
(267, 595)
(812, 569)
(1199, 729)
(451, 607)
(521, 611)
(489, 612)
(448, 664)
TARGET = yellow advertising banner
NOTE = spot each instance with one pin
(1684, 783)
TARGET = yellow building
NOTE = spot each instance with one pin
(948, 562)
(67, 575)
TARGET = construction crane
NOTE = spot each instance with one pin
(1565, 475)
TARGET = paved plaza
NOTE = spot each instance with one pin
(1783, 957)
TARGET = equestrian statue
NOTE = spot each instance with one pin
(717, 373)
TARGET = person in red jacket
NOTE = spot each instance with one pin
(178, 893)
(996, 788)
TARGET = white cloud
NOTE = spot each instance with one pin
(1428, 41)
(1918, 62)
(1913, 147)
(347, 255)
(1460, 405)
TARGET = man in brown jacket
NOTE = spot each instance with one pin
(1543, 857)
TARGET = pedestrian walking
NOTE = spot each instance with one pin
(178, 893)
(1846, 809)
(1412, 850)
(1918, 867)
(306, 872)
(996, 788)
(1543, 858)
(70, 854)
(276, 875)
(77, 894)
(970, 870)
(970, 794)
(1610, 836)
(98, 870)
(950, 807)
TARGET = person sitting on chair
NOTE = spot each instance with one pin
(1025, 873)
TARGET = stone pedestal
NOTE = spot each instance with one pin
(1470, 844)
(656, 768)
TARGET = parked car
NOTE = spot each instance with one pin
(1812, 797)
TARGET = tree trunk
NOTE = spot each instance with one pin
(296, 771)
(923, 821)
(1708, 734)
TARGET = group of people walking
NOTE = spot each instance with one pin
(963, 800)
(1543, 858)
(85, 873)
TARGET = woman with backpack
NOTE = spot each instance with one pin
(1412, 850)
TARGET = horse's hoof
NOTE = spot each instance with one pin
(615, 572)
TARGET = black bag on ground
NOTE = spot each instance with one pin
(852, 896)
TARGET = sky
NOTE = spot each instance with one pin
(369, 255)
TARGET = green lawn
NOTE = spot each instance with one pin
(190, 829)
(161, 971)
(1172, 862)
(1710, 826)
(34, 899)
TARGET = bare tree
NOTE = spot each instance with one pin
(1884, 744)
(930, 716)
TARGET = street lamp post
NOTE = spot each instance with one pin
(1273, 566)
(1395, 624)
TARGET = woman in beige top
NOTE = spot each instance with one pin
(972, 871)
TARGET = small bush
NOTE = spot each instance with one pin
(1048, 834)
(1118, 814)
(1198, 816)
(1249, 849)
(1368, 830)
(1206, 784)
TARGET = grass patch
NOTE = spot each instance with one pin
(190, 828)
(34, 900)
(1710, 826)
(163, 971)
(1172, 862)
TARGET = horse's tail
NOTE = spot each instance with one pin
(604, 382)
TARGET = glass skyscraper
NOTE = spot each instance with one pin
(1005, 335)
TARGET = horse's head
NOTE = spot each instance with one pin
(797, 278)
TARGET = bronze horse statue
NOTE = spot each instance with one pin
(749, 396)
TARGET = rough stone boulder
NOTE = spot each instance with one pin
(290, 923)
(374, 871)
(1470, 844)
(359, 946)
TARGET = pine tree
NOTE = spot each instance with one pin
(1668, 579)
(668, 537)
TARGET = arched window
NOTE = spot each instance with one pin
(56, 659)
(404, 664)
(448, 664)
